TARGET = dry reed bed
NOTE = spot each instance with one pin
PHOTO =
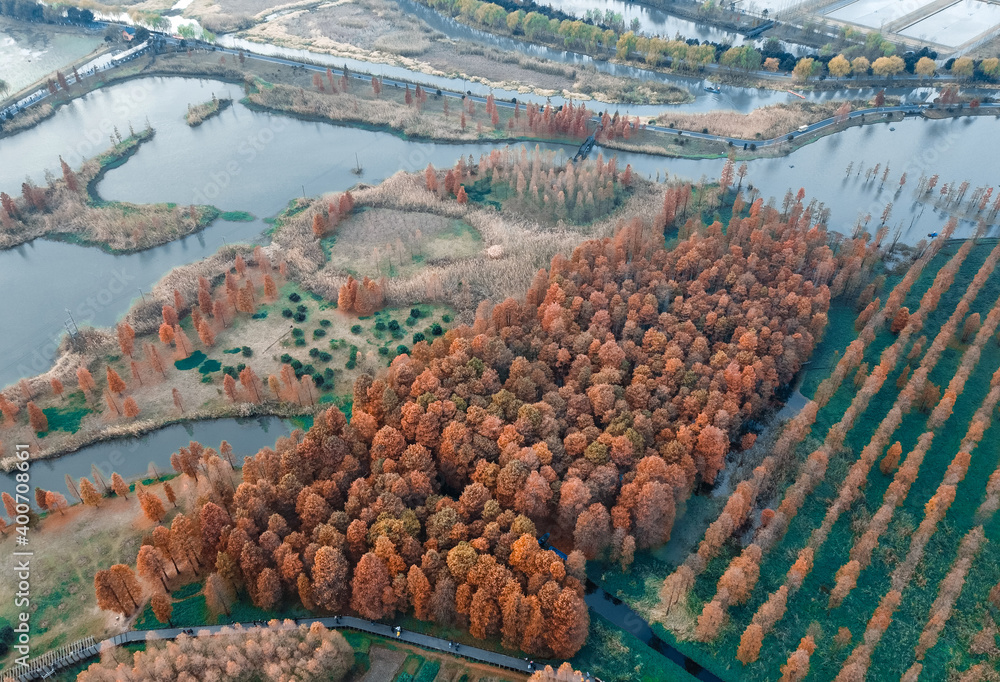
(525, 245)
(379, 32)
(763, 123)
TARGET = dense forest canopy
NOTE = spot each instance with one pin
(590, 409)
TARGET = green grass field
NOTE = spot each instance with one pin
(807, 610)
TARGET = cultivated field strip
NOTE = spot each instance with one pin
(773, 609)
(794, 432)
(895, 494)
(935, 510)
(813, 469)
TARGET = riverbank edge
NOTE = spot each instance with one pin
(208, 214)
(223, 104)
(759, 79)
(231, 76)
(141, 428)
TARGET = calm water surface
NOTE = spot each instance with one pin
(132, 457)
(30, 51)
(243, 160)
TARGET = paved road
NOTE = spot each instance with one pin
(351, 623)
(907, 109)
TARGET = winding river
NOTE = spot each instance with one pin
(245, 160)
(230, 160)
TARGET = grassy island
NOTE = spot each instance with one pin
(199, 113)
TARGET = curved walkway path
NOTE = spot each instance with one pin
(521, 665)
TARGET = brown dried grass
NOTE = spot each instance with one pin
(766, 122)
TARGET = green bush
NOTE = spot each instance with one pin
(294, 297)
(401, 350)
(436, 329)
(287, 312)
(301, 309)
(383, 350)
(350, 364)
(324, 323)
(300, 342)
(319, 333)
(418, 337)
(295, 363)
(380, 326)
(393, 325)
(314, 352)
(415, 313)
(356, 329)
(247, 351)
(299, 317)
(446, 318)
(298, 333)
(324, 356)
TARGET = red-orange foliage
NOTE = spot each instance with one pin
(597, 380)
(229, 385)
(36, 418)
(115, 383)
(971, 326)
(749, 648)
(364, 298)
(797, 666)
(126, 338)
(891, 459)
(166, 334)
(270, 288)
(205, 334)
(130, 408)
(170, 316)
(900, 320)
(182, 343)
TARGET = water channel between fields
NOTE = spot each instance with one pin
(731, 98)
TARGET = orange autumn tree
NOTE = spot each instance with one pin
(85, 380)
(364, 298)
(126, 338)
(579, 393)
(36, 418)
(115, 383)
(130, 408)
